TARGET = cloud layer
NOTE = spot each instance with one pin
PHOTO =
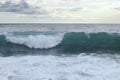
(61, 10)
(21, 8)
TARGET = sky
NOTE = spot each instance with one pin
(59, 11)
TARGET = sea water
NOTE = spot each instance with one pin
(59, 52)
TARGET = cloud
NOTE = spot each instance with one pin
(70, 9)
(77, 9)
(117, 8)
(21, 7)
(58, 10)
(65, 13)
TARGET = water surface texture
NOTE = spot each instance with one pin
(59, 52)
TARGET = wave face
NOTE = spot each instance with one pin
(91, 41)
(72, 42)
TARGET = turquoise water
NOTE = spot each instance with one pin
(64, 42)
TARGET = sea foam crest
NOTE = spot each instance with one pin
(37, 41)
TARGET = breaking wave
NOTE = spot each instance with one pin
(71, 42)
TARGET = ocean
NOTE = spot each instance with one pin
(59, 51)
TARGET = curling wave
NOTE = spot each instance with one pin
(72, 42)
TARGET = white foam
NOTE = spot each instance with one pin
(3, 33)
(81, 67)
(37, 41)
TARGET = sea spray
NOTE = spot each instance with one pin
(37, 41)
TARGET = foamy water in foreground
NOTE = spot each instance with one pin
(77, 67)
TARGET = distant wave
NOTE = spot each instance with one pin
(88, 28)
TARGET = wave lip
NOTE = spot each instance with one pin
(37, 41)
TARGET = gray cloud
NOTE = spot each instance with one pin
(21, 8)
(73, 9)
(76, 9)
(117, 8)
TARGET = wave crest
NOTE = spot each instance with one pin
(37, 41)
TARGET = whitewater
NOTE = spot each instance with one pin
(59, 51)
(85, 67)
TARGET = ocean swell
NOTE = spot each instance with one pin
(92, 41)
(73, 41)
